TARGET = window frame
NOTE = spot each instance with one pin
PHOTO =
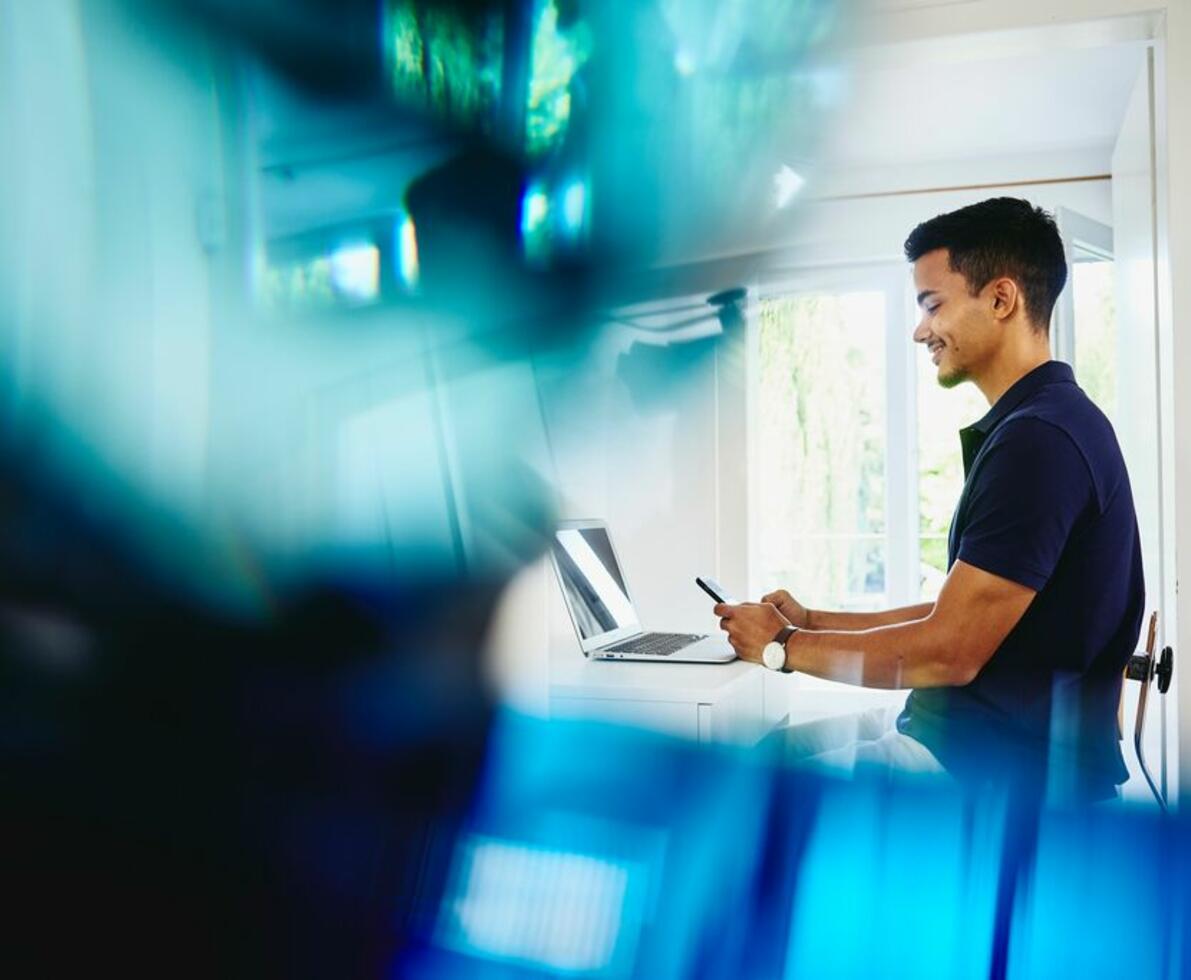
(1078, 232)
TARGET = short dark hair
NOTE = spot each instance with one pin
(1003, 236)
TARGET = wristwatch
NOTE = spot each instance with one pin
(773, 655)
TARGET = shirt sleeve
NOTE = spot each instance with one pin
(1031, 489)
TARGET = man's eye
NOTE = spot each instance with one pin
(932, 309)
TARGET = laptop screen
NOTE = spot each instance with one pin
(592, 582)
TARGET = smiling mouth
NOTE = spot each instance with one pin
(936, 351)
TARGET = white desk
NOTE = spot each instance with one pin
(735, 703)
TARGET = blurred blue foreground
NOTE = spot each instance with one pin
(600, 852)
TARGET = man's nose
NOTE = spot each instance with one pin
(921, 332)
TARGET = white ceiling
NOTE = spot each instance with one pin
(929, 109)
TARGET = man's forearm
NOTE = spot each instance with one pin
(853, 622)
(915, 653)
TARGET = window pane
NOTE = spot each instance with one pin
(941, 414)
(821, 448)
(1096, 331)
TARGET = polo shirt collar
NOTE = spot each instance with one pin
(1052, 372)
(972, 437)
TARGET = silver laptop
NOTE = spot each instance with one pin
(602, 611)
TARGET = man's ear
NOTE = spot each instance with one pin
(1006, 297)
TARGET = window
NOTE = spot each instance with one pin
(353, 265)
(941, 413)
(1084, 330)
(1095, 327)
(820, 425)
(855, 460)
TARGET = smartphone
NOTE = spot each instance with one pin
(714, 589)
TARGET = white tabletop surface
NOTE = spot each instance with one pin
(625, 679)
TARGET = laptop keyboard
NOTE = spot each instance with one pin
(655, 644)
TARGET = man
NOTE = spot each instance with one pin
(1016, 668)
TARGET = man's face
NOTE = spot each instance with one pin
(958, 329)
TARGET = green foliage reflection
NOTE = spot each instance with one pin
(446, 60)
(300, 286)
(821, 447)
(452, 62)
(556, 56)
(1096, 333)
(941, 414)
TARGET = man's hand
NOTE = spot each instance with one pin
(750, 626)
(791, 608)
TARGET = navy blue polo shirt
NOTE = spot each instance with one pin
(1046, 503)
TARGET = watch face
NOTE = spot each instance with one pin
(774, 656)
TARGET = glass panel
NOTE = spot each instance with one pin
(451, 59)
(941, 414)
(321, 273)
(1092, 282)
(821, 448)
(446, 58)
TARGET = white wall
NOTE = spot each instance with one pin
(113, 142)
(874, 229)
(648, 458)
(658, 451)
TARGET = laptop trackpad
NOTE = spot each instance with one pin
(712, 649)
